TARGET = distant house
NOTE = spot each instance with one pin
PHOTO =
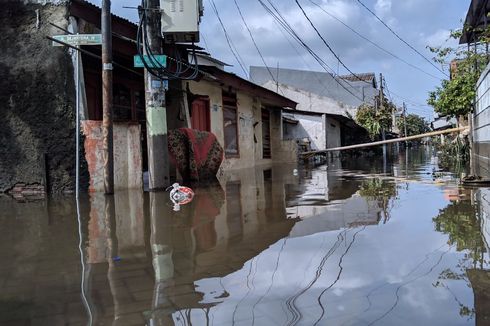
(326, 104)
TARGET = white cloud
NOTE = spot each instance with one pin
(383, 7)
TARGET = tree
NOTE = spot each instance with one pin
(375, 119)
(415, 125)
(455, 97)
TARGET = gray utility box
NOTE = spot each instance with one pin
(180, 20)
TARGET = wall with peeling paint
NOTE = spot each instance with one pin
(249, 112)
(128, 172)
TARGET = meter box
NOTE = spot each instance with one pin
(180, 20)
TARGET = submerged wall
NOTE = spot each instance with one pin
(37, 121)
(128, 172)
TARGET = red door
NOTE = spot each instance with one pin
(200, 115)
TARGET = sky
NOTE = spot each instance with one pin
(419, 22)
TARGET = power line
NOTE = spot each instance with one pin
(326, 43)
(253, 40)
(401, 39)
(284, 24)
(373, 43)
(303, 59)
(232, 47)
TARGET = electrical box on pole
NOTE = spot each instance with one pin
(180, 20)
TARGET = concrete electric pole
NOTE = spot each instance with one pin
(156, 114)
(107, 107)
(405, 122)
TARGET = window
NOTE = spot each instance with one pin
(230, 125)
(266, 134)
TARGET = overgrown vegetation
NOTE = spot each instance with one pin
(415, 125)
(375, 118)
(454, 155)
(454, 97)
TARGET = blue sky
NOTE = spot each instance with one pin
(419, 22)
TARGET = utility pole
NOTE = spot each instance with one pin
(381, 107)
(156, 114)
(108, 141)
(405, 122)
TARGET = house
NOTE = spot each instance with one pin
(38, 97)
(246, 118)
(326, 104)
(477, 21)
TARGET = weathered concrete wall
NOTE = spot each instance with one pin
(309, 126)
(333, 132)
(481, 125)
(127, 155)
(249, 112)
(324, 132)
(36, 98)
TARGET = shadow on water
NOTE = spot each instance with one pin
(352, 243)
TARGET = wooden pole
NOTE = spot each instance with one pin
(389, 141)
(156, 114)
(107, 128)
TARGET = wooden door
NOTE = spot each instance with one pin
(200, 119)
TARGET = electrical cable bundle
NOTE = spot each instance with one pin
(154, 67)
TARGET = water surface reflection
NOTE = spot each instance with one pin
(354, 243)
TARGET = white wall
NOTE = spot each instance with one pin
(310, 102)
(481, 117)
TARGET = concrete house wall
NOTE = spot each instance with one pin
(481, 121)
(249, 112)
(37, 121)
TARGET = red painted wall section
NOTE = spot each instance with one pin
(128, 172)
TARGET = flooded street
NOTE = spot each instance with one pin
(356, 243)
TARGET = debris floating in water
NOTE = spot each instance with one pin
(180, 195)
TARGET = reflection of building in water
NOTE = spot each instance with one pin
(148, 259)
(480, 278)
(483, 197)
(351, 212)
(480, 282)
(116, 257)
(326, 201)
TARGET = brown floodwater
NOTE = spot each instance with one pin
(354, 242)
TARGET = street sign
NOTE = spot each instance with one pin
(161, 59)
(78, 39)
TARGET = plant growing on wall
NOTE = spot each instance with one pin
(415, 125)
(454, 97)
(375, 118)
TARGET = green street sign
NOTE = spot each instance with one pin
(161, 59)
(78, 39)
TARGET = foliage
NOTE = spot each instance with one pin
(454, 155)
(375, 119)
(381, 192)
(455, 97)
(415, 125)
(459, 221)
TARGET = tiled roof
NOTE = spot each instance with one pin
(358, 77)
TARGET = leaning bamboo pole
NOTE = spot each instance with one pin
(383, 142)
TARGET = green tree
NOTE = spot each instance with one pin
(455, 97)
(415, 125)
(375, 119)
